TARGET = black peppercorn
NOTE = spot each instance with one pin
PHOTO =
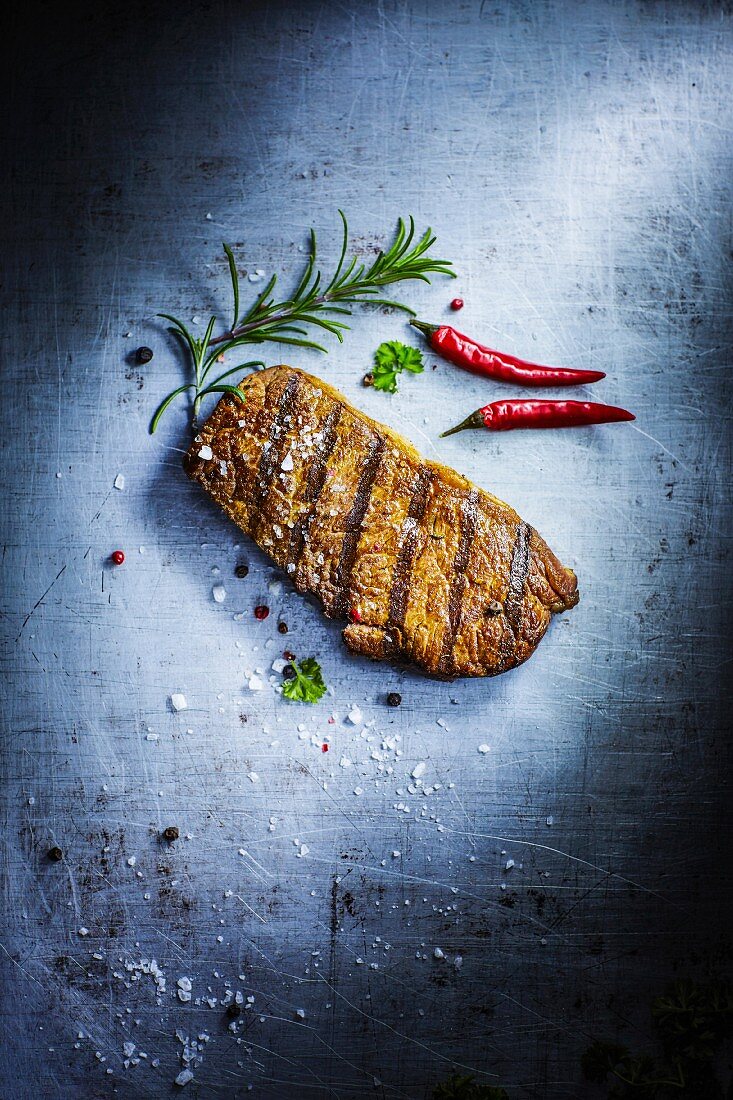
(288, 655)
(144, 355)
(171, 833)
(55, 854)
(234, 1010)
(394, 699)
(282, 628)
(368, 380)
(241, 570)
(289, 672)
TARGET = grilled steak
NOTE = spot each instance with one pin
(423, 565)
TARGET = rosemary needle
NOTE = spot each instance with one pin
(313, 304)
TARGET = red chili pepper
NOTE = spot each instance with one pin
(503, 416)
(474, 357)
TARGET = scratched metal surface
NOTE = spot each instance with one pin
(574, 160)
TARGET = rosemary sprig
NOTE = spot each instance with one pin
(311, 304)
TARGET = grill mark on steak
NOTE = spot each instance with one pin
(354, 520)
(518, 571)
(406, 553)
(271, 453)
(469, 520)
(245, 473)
(316, 481)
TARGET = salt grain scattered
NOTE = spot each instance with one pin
(483, 749)
(219, 593)
(178, 701)
(119, 481)
(206, 453)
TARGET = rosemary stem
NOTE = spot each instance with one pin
(273, 318)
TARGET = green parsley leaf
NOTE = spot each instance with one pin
(307, 686)
(390, 359)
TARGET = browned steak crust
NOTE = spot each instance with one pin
(426, 567)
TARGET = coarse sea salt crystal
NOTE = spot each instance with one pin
(438, 954)
(128, 1049)
(255, 683)
(183, 1078)
(344, 762)
(418, 770)
(219, 593)
(483, 749)
(83, 931)
(206, 453)
(119, 481)
(178, 701)
(252, 776)
(287, 462)
(300, 1013)
(354, 716)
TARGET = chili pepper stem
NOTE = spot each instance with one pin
(425, 329)
(475, 420)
